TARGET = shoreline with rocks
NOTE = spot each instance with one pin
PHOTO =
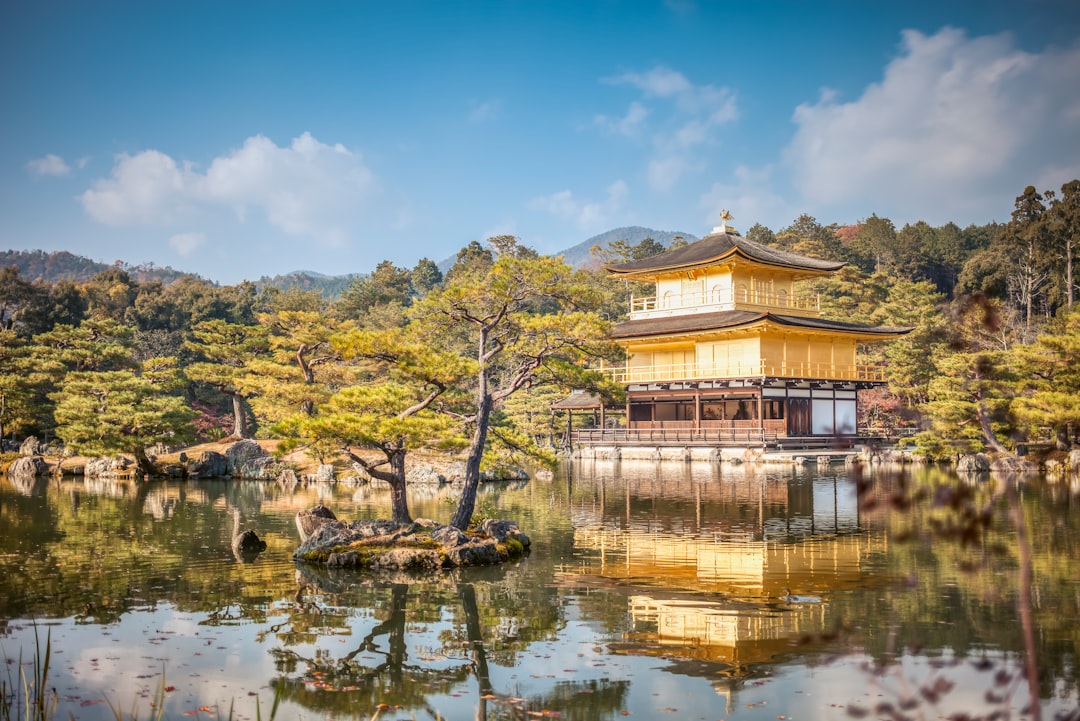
(419, 545)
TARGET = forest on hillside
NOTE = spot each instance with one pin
(408, 358)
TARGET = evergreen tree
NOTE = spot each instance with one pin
(21, 385)
(105, 412)
(472, 259)
(302, 368)
(1063, 226)
(807, 236)
(492, 312)
(874, 243)
(968, 404)
(405, 406)
(969, 397)
(61, 303)
(425, 277)
(1049, 386)
(912, 358)
(1028, 273)
(110, 294)
(228, 349)
(93, 345)
(15, 293)
(758, 233)
(387, 285)
(647, 248)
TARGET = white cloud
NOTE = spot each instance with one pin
(484, 112)
(687, 117)
(148, 188)
(186, 243)
(750, 197)
(660, 82)
(586, 215)
(50, 165)
(307, 189)
(953, 131)
(664, 173)
(629, 125)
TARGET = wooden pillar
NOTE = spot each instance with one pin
(761, 410)
(697, 409)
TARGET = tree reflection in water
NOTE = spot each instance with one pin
(717, 582)
(380, 666)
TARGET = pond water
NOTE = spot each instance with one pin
(653, 590)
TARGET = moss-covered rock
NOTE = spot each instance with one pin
(422, 545)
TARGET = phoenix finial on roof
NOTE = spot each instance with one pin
(725, 216)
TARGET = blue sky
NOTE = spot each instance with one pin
(237, 139)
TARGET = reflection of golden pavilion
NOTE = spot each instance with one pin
(740, 569)
(713, 632)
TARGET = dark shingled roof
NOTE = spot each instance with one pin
(717, 246)
(578, 400)
(734, 318)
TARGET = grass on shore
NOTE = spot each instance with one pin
(30, 699)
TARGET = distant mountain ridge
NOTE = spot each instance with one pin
(331, 286)
(59, 265)
(580, 255)
(62, 265)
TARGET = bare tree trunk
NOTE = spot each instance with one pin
(1023, 601)
(987, 431)
(143, 461)
(467, 504)
(239, 422)
(307, 406)
(399, 501)
(1069, 272)
(464, 511)
(395, 456)
(475, 635)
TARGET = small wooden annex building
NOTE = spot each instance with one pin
(726, 347)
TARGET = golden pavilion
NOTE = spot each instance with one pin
(727, 348)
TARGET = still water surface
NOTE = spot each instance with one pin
(654, 590)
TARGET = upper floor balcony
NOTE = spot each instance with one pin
(718, 299)
(659, 373)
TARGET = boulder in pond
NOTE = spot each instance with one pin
(28, 467)
(1012, 464)
(974, 463)
(243, 456)
(31, 447)
(208, 464)
(424, 475)
(247, 546)
(107, 467)
(309, 519)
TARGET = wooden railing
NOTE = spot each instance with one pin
(725, 299)
(783, 369)
(751, 433)
(770, 434)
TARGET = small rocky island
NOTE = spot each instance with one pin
(421, 545)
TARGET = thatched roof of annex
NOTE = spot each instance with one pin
(578, 400)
